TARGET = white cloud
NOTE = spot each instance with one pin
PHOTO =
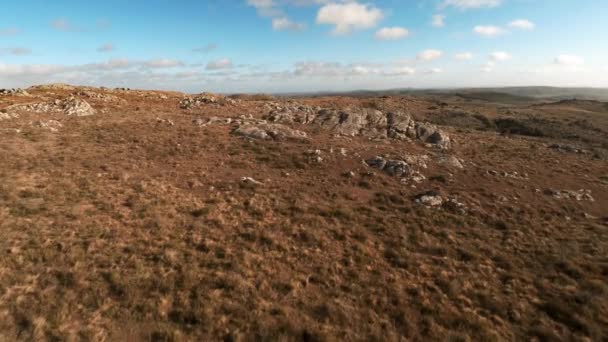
(17, 51)
(466, 4)
(219, 64)
(392, 33)
(500, 56)
(11, 31)
(488, 67)
(463, 56)
(280, 21)
(284, 23)
(163, 63)
(438, 20)
(434, 71)
(106, 47)
(350, 16)
(205, 49)
(569, 60)
(429, 55)
(489, 31)
(61, 24)
(400, 71)
(522, 24)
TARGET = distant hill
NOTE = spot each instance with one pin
(508, 95)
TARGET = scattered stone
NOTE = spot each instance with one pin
(98, 96)
(589, 216)
(165, 121)
(419, 161)
(396, 168)
(14, 92)
(204, 99)
(451, 162)
(266, 131)
(214, 120)
(70, 106)
(580, 195)
(315, 156)
(8, 116)
(54, 86)
(513, 175)
(51, 125)
(250, 181)
(568, 149)
(415, 176)
(429, 199)
(348, 174)
(452, 204)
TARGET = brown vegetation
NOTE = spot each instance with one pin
(138, 224)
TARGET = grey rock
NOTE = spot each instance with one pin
(266, 131)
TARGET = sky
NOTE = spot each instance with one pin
(276, 46)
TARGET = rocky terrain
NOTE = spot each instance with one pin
(162, 216)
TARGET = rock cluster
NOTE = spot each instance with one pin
(432, 199)
(77, 107)
(51, 125)
(268, 131)
(568, 148)
(8, 116)
(578, 195)
(290, 112)
(396, 168)
(70, 106)
(506, 174)
(205, 99)
(14, 92)
(98, 96)
(429, 199)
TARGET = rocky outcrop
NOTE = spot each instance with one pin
(77, 107)
(267, 131)
(205, 99)
(366, 122)
(290, 112)
(70, 106)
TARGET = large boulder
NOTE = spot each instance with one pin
(353, 122)
(430, 134)
(396, 168)
(77, 107)
(400, 125)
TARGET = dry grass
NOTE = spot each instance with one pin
(116, 228)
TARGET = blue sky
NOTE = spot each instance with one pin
(304, 45)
